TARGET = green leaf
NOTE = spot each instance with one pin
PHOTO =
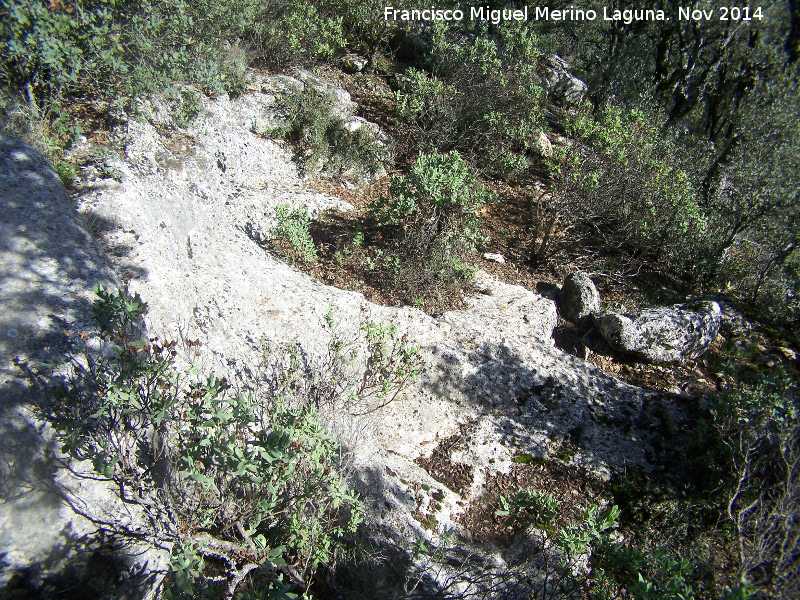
(205, 481)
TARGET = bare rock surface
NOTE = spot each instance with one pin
(187, 234)
(60, 527)
(672, 334)
(185, 218)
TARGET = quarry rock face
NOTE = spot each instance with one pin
(673, 334)
(186, 215)
(229, 292)
(60, 527)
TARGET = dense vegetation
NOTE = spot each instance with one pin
(683, 160)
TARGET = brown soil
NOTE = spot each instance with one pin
(572, 486)
(456, 476)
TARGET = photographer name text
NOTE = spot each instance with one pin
(544, 13)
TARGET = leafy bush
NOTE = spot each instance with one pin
(483, 97)
(65, 172)
(389, 365)
(59, 57)
(292, 235)
(433, 209)
(623, 185)
(185, 107)
(295, 32)
(49, 49)
(527, 507)
(757, 421)
(431, 105)
(587, 560)
(331, 144)
(357, 375)
(641, 575)
(251, 481)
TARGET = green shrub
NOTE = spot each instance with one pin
(585, 559)
(65, 172)
(757, 422)
(431, 105)
(185, 106)
(256, 475)
(626, 189)
(358, 374)
(641, 575)
(276, 487)
(433, 210)
(49, 50)
(315, 121)
(297, 32)
(252, 481)
(439, 189)
(67, 55)
(527, 507)
(291, 236)
(482, 98)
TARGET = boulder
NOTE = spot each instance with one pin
(578, 298)
(542, 146)
(63, 530)
(352, 63)
(494, 257)
(673, 334)
(563, 85)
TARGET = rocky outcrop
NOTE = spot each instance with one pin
(563, 85)
(184, 216)
(673, 334)
(60, 526)
(263, 111)
(578, 298)
(232, 293)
